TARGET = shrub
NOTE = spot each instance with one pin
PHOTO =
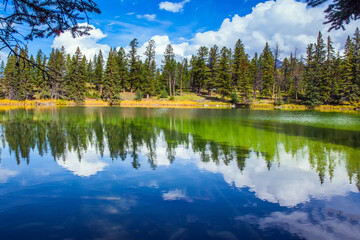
(235, 98)
(171, 98)
(138, 96)
(163, 94)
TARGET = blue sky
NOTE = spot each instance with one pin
(189, 24)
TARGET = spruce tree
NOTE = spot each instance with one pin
(2, 79)
(213, 66)
(224, 83)
(240, 72)
(111, 86)
(267, 68)
(123, 69)
(169, 67)
(11, 73)
(201, 69)
(76, 81)
(312, 83)
(98, 71)
(355, 95)
(150, 69)
(134, 66)
(41, 80)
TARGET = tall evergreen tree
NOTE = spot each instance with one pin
(150, 69)
(134, 66)
(98, 74)
(75, 78)
(213, 66)
(169, 67)
(11, 73)
(111, 83)
(224, 83)
(347, 70)
(267, 68)
(123, 69)
(240, 71)
(200, 68)
(355, 95)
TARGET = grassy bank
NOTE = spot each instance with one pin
(185, 101)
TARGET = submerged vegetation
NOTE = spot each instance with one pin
(322, 78)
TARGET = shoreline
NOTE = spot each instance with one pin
(174, 104)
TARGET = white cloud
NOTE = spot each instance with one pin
(88, 166)
(293, 183)
(181, 50)
(149, 17)
(175, 195)
(334, 225)
(173, 7)
(88, 44)
(289, 23)
(5, 174)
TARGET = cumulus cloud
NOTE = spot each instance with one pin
(5, 174)
(175, 195)
(293, 183)
(173, 7)
(181, 50)
(289, 23)
(149, 17)
(331, 225)
(88, 44)
(88, 166)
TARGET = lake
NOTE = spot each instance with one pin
(138, 173)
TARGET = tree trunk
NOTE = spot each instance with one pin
(181, 73)
(147, 96)
(169, 84)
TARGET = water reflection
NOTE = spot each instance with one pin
(298, 177)
(70, 135)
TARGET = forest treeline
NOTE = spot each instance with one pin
(322, 77)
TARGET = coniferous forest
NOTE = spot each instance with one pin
(322, 76)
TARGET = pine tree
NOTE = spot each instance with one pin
(213, 66)
(26, 89)
(134, 66)
(325, 58)
(347, 70)
(201, 69)
(355, 95)
(240, 77)
(41, 80)
(150, 69)
(169, 67)
(56, 64)
(123, 69)
(75, 79)
(224, 83)
(98, 74)
(312, 83)
(267, 68)
(285, 72)
(2, 80)
(11, 73)
(111, 87)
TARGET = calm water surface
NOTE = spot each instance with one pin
(132, 173)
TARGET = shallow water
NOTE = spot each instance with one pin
(137, 173)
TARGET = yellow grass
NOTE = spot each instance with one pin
(186, 101)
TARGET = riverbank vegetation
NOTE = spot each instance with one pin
(217, 75)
